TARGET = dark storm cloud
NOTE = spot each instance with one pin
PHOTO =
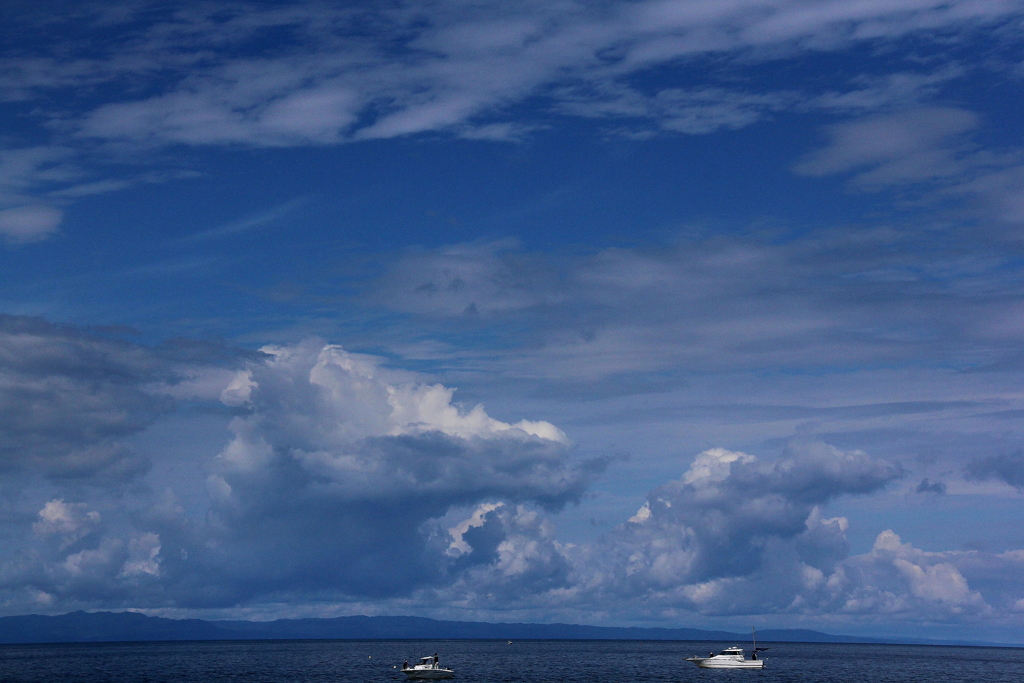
(1008, 468)
(329, 526)
(928, 486)
(67, 397)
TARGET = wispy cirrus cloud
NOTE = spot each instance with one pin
(245, 224)
(302, 74)
(906, 147)
(423, 67)
(863, 297)
(931, 150)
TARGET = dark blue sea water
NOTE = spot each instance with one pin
(313, 661)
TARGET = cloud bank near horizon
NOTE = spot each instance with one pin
(335, 464)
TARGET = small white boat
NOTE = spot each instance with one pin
(731, 658)
(427, 669)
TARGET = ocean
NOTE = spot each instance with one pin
(474, 661)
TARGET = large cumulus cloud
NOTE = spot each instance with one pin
(336, 469)
(733, 524)
(337, 483)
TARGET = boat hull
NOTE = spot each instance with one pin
(428, 674)
(722, 663)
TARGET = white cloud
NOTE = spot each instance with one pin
(754, 541)
(909, 146)
(734, 542)
(24, 224)
(930, 148)
(429, 408)
(25, 170)
(713, 466)
(424, 67)
(511, 558)
(143, 556)
(458, 545)
(70, 521)
(732, 518)
(367, 404)
(93, 563)
(896, 577)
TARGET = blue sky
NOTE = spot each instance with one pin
(657, 312)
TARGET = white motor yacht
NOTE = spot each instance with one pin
(427, 669)
(731, 658)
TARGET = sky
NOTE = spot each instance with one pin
(684, 313)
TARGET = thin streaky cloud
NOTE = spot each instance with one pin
(245, 224)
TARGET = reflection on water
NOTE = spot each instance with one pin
(313, 661)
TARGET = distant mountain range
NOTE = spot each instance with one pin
(130, 626)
